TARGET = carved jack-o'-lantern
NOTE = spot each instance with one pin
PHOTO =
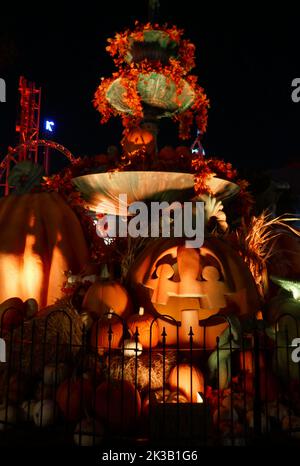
(193, 285)
(139, 139)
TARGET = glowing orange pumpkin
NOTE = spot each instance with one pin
(139, 139)
(105, 295)
(146, 328)
(103, 330)
(40, 239)
(193, 286)
(189, 380)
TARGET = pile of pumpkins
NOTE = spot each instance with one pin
(92, 405)
(90, 408)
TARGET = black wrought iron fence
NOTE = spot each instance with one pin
(64, 384)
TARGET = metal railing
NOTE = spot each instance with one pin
(55, 388)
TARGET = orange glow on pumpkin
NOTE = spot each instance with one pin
(189, 380)
(40, 239)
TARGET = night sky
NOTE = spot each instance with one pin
(246, 61)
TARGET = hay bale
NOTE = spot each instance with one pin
(139, 368)
(55, 334)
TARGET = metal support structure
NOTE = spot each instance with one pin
(29, 125)
(197, 147)
(30, 147)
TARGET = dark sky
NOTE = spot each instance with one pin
(246, 61)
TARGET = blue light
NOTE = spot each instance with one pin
(49, 126)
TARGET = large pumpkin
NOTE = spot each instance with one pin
(40, 239)
(118, 404)
(74, 397)
(193, 285)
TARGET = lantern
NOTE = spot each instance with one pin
(139, 139)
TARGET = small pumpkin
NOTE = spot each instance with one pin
(104, 295)
(190, 381)
(55, 373)
(12, 313)
(100, 333)
(26, 410)
(139, 139)
(44, 413)
(132, 348)
(147, 329)
(74, 397)
(118, 404)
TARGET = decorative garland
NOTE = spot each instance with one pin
(119, 46)
(176, 71)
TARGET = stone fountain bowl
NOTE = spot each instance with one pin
(102, 190)
(156, 91)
